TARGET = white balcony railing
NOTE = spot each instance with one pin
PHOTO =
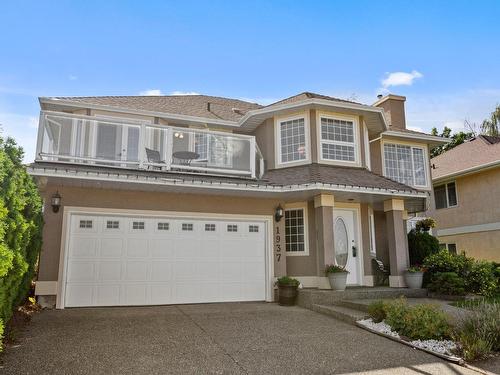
(137, 145)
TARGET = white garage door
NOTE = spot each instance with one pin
(117, 260)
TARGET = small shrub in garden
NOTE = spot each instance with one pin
(478, 332)
(444, 261)
(377, 311)
(395, 313)
(448, 283)
(481, 279)
(424, 322)
(421, 245)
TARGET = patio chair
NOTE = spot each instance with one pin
(154, 157)
(382, 273)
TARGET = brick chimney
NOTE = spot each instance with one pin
(394, 107)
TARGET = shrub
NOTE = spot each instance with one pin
(420, 322)
(478, 332)
(288, 281)
(425, 224)
(421, 245)
(444, 261)
(332, 268)
(448, 283)
(377, 311)
(1, 334)
(481, 279)
(20, 228)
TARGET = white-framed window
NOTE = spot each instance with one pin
(338, 139)
(292, 140)
(405, 164)
(445, 195)
(371, 231)
(451, 247)
(296, 231)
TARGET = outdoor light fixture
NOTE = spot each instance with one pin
(56, 202)
(178, 135)
(278, 214)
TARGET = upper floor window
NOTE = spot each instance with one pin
(405, 164)
(445, 195)
(292, 135)
(338, 139)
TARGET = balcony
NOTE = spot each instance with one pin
(134, 144)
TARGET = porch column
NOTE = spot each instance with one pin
(397, 241)
(323, 210)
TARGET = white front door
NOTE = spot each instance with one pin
(345, 239)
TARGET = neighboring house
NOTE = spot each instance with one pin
(188, 199)
(466, 207)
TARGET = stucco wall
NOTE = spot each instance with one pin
(120, 199)
(479, 245)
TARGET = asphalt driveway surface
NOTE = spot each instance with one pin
(231, 338)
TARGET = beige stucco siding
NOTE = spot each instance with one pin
(264, 136)
(376, 157)
(120, 199)
(479, 245)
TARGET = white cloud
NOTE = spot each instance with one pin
(415, 128)
(151, 92)
(72, 77)
(180, 93)
(23, 129)
(400, 79)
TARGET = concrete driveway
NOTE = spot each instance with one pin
(233, 338)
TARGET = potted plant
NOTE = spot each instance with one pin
(414, 277)
(287, 290)
(337, 276)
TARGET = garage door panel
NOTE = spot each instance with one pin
(79, 270)
(107, 295)
(111, 247)
(162, 248)
(84, 247)
(161, 271)
(79, 295)
(149, 260)
(109, 271)
(135, 294)
(137, 247)
(136, 271)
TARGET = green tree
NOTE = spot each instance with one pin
(455, 140)
(490, 126)
(20, 228)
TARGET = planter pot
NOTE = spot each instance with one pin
(287, 294)
(337, 280)
(414, 280)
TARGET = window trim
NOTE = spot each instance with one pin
(447, 196)
(277, 141)
(298, 206)
(425, 151)
(356, 143)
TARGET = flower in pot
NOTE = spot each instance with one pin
(287, 290)
(337, 276)
(414, 277)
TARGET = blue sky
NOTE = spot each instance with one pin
(446, 53)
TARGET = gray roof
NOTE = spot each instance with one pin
(335, 175)
(188, 105)
(308, 95)
(300, 175)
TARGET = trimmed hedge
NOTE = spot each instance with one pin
(21, 224)
(421, 245)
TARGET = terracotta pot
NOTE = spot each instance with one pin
(338, 280)
(287, 295)
(414, 280)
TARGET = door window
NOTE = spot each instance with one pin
(340, 242)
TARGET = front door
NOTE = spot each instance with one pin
(345, 239)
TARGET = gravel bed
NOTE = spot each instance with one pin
(379, 327)
(446, 347)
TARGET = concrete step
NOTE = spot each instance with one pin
(355, 304)
(340, 312)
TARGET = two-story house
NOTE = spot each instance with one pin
(188, 199)
(466, 180)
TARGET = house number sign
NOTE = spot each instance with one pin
(277, 241)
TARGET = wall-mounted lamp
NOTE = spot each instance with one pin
(278, 214)
(55, 202)
(178, 135)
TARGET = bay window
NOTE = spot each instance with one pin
(405, 164)
(338, 139)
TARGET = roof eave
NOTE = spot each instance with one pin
(429, 139)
